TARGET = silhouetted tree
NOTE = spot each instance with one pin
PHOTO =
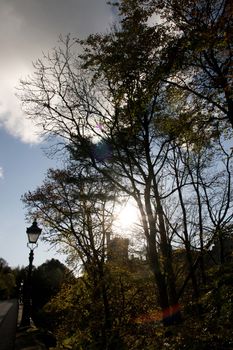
(135, 97)
(47, 281)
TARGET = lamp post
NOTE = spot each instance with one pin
(33, 233)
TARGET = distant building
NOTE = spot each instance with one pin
(117, 249)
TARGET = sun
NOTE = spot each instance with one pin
(126, 216)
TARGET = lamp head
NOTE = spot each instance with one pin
(33, 233)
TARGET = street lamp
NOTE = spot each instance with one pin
(33, 233)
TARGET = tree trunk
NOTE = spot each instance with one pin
(166, 252)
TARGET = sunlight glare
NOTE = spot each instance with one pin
(127, 216)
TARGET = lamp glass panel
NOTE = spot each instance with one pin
(33, 237)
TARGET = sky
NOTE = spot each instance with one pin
(28, 28)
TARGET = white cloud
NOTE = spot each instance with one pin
(26, 29)
(12, 118)
(19, 127)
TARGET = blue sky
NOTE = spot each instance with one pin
(28, 28)
(23, 167)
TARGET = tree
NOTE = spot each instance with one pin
(46, 283)
(78, 322)
(117, 124)
(7, 281)
(112, 111)
(201, 53)
(75, 206)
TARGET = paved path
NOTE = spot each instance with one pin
(8, 323)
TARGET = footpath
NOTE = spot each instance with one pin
(27, 338)
(15, 337)
(8, 323)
